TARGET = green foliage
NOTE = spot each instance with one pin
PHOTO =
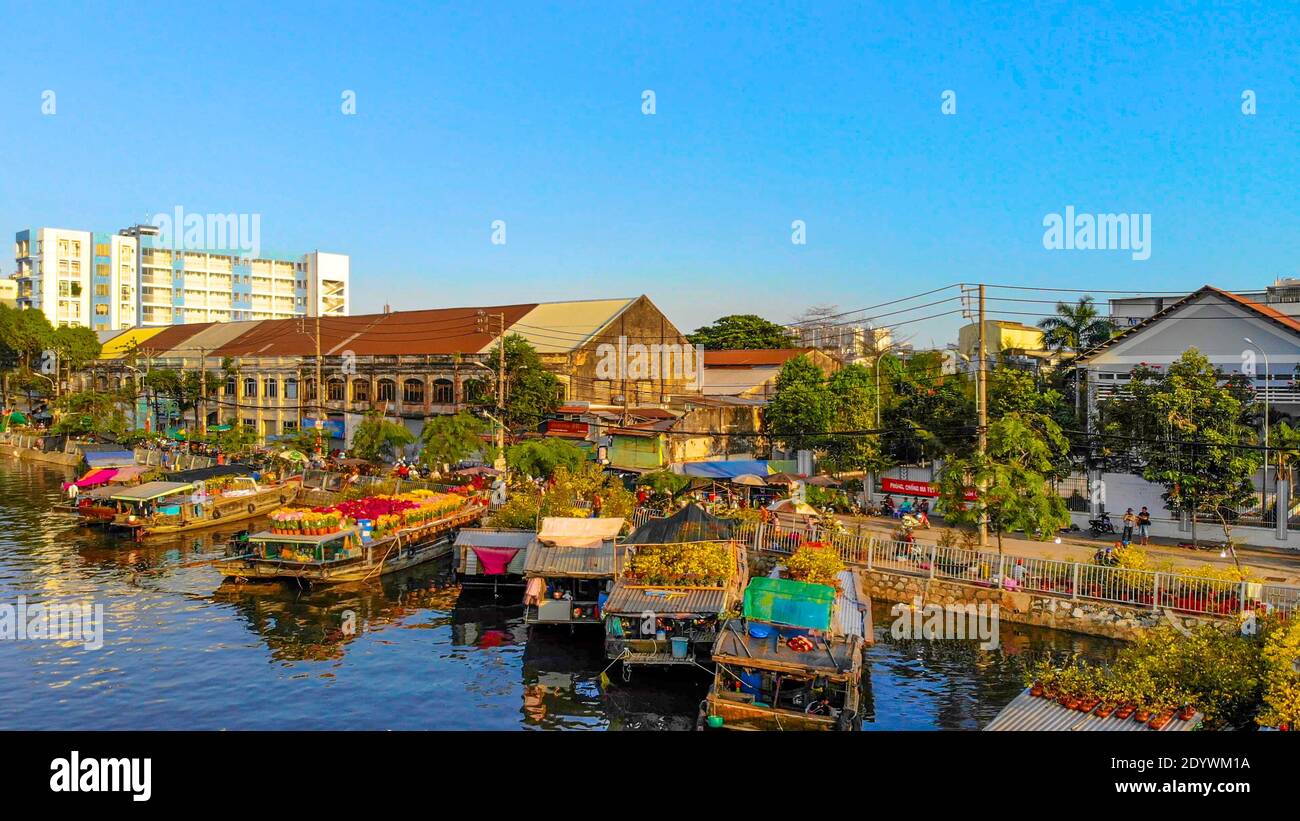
(238, 438)
(933, 411)
(446, 440)
(76, 347)
(526, 506)
(377, 438)
(532, 392)
(1076, 327)
(24, 334)
(802, 408)
(1281, 694)
(742, 331)
(853, 398)
(91, 412)
(664, 481)
(541, 458)
(1013, 474)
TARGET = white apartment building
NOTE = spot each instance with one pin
(132, 279)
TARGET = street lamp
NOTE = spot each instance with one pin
(1268, 385)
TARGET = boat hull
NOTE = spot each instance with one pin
(222, 512)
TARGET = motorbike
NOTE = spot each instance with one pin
(1101, 525)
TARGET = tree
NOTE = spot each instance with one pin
(1200, 427)
(377, 438)
(801, 409)
(928, 412)
(24, 334)
(1012, 479)
(90, 412)
(543, 457)
(76, 347)
(1076, 328)
(853, 400)
(446, 440)
(742, 331)
(532, 392)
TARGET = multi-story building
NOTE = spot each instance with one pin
(135, 279)
(9, 292)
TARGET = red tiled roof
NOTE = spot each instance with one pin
(758, 357)
(171, 337)
(1271, 313)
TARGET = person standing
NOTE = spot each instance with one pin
(1130, 520)
(1144, 525)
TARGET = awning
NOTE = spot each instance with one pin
(565, 532)
(150, 491)
(130, 473)
(95, 478)
(725, 470)
(109, 458)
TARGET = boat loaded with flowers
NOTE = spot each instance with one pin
(355, 540)
(164, 508)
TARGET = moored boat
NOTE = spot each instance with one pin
(570, 570)
(794, 661)
(164, 508)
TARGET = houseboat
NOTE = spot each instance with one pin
(794, 660)
(340, 550)
(491, 558)
(164, 508)
(570, 570)
(682, 577)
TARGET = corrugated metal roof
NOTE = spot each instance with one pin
(172, 336)
(209, 338)
(1026, 712)
(850, 608)
(479, 537)
(629, 600)
(605, 561)
(120, 345)
(559, 327)
(751, 358)
(735, 643)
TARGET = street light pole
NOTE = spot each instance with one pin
(1268, 385)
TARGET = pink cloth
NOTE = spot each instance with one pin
(493, 561)
(534, 591)
(94, 478)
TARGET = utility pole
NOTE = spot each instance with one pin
(485, 327)
(981, 398)
(203, 392)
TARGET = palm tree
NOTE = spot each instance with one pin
(1076, 328)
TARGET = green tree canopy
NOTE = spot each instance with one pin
(853, 401)
(742, 331)
(802, 408)
(543, 457)
(76, 347)
(532, 392)
(446, 440)
(378, 438)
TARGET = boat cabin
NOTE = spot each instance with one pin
(793, 661)
(331, 548)
(486, 557)
(570, 570)
(155, 501)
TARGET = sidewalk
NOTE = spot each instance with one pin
(1271, 565)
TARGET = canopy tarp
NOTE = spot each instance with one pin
(690, 524)
(725, 470)
(94, 478)
(130, 472)
(199, 474)
(109, 458)
(150, 491)
(784, 601)
(566, 532)
(749, 480)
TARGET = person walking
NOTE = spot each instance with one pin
(1130, 520)
(1144, 526)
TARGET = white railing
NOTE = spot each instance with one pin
(1067, 579)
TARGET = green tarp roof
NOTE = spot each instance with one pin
(783, 601)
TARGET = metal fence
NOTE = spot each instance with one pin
(1072, 580)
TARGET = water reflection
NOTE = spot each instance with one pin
(185, 649)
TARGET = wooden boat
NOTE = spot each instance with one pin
(671, 624)
(570, 570)
(794, 662)
(164, 508)
(344, 555)
(479, 552)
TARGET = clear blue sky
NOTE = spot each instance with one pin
(531, 114)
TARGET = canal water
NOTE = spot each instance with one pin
(183, 650)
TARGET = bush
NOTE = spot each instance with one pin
(816, 563)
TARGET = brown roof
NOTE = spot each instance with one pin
(439, 331)
(169, 338)
(751, 358)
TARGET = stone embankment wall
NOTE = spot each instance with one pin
(1076, 615)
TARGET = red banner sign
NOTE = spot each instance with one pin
(565, 426)
(908, 487)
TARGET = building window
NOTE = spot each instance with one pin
(290, 425)
(310, 389)
(290, 389)
(272, 388)
(474, 389)
(231, 386)
(386, 391)
(335, 390)
(360, 390)
(444, 393)
(250, 424)
(413, 391)
(250, 388)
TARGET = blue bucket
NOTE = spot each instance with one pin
(759, 631)
(681, 645)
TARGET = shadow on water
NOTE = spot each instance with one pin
(183, 648)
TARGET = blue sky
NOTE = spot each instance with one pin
(531, 113)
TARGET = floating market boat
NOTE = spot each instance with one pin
(491, 557)
(570, 570)
(352, 541)
(164, 508)
(794, 661)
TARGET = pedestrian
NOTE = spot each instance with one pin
(1144, 525)
(1130, 519)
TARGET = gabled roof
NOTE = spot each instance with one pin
(1264, 311)
(764, 357)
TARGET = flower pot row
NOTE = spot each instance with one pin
(1155, 719)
